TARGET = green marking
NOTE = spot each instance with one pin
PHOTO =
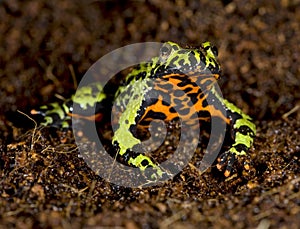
(65, 124)
(243, 139)
(233, 108)
(65, 108)
(48, 120)
(85, 96)
(236, 152)
(58, 110)
(210, 56)
(122, 135)
(244, 121)
(197, 56)
(138, 163)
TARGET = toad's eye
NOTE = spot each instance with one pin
(214, 50)
(165, 51)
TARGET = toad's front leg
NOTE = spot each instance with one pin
(242, 131)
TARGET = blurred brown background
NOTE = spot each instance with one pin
(43, 42)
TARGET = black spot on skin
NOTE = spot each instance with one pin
(129, 154)
(202, 58)
(176, 119)
(133, 129)
(69, 104)
(241, 147)
(165, 103)
(210, 67)
(199, 91)
(207, 47)
(156, 115)
(193, 97)
(138, 67)
(184, 81)
(158, 71)
(125, 157)
(188, 89)
(214, 69)
(233, 115)
(201, 95)
(145, 163)
(204, 103)
(203, 114)
(178, 77)
(172, 110)
(245, 130)
(141, 75)
(145, 123)
(129, 79)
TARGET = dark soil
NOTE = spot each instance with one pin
(46, 46)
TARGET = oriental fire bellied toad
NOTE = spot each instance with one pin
(181, 71)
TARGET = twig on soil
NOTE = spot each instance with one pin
(34, 129)
(285, 115)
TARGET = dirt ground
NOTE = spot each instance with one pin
(45, 46)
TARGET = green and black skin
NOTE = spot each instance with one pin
(179, 71)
